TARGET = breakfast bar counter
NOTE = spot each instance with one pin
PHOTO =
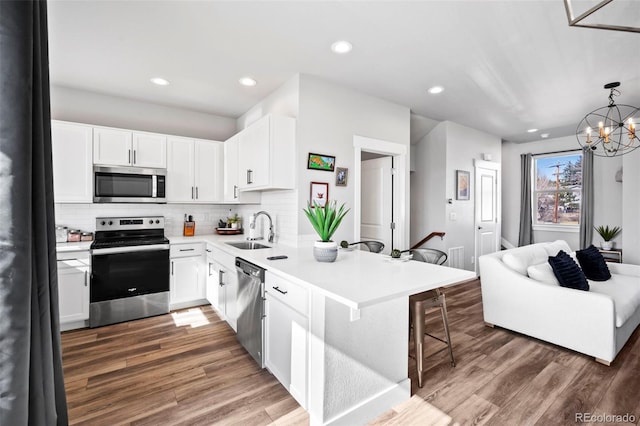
(353, 352)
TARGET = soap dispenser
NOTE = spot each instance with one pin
(189, 226)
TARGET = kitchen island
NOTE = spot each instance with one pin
(347, 344)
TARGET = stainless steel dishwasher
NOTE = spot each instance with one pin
(250, 305)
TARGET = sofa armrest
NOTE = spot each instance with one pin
(624, 269)
(579, 320)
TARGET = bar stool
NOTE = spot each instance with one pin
(372, 246)
(419, 303)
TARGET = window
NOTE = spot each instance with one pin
(557, 191)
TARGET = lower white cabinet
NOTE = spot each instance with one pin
(188, 275)
(286, 334)
(73, 289)
(222, 285)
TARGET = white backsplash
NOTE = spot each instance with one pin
(281, 206)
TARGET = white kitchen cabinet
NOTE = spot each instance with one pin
(72, 150)
(73, 289)
(188, 275)
(286, 334)
(194, 170)
(232, 191)
(120, 147)
(266, 154)
(222, 284)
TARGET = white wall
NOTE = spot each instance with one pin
(607, 192)
(447, 148)
(330, 116)
(93, 108)
(631, 208)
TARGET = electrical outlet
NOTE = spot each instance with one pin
(473, 260)
(453, 216)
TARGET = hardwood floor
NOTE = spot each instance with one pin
(186, 368)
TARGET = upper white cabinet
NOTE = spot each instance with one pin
(266, 154)
(232, 191)
(72, 170)
(194, 170)
(119, 147)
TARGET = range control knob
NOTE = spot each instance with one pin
(157, 220)
(151, 222)
(110, 222)
(103, 223)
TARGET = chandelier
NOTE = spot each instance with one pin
(610, 131)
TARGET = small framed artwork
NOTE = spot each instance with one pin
(341, 176)
(462, 185)
(321, 162)
(319, 194)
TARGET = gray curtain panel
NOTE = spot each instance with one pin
(525, 236)
(586, 209)
(31, 381)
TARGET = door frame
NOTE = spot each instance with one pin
(491, 165)
(401, 190)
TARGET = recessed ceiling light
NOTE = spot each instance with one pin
(341, 47)
(160, 81)
(248, 81)
(532, 130)
(544, 135)
(435, 90)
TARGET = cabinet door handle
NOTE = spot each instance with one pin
(220, 277)
(208, 251)
(171, 268)
(235, 191)
(209, 269)
(197, 193)
(191, 249)
(86, 274)
(134, 157)
(249, 176)
(129, 160)
(192, 192)
(280, 291)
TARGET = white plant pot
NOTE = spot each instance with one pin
(325, 251)
(606, 245)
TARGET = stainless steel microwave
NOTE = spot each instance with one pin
(129, 185)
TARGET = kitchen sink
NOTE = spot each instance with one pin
(248, 245)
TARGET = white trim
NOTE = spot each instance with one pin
(557, 228)
(401, 190)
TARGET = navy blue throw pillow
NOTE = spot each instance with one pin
(568, 272)
(593, 264)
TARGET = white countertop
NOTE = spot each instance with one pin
(357, 278)
(68, 247)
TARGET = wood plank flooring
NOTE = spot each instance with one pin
(186, 368)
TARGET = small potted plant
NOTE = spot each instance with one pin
(607, 235)
(234, 221)
(325, 220)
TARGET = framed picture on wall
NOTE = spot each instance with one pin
(319, 194)
(463, 186)
(341, 176)
(321, 162)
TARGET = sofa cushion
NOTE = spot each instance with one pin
(568, 272)
(543, 273)
(554, 248)
(593, 264)
(625, 292)
(521, 258)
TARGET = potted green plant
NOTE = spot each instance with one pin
(325, 220)
(607, 235)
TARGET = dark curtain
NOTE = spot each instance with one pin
(31, 381)
(586, 210)
(525, 236)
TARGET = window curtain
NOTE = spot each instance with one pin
(586, 210)
(31, 381)
(526, 223)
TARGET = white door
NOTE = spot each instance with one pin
(72, 148)
(112, 147)
(487, 210)
(180, 170)
(208, 171)
(149, 150)
(376, 201)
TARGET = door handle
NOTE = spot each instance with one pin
(479, 227)
(197, 193)
(235, 191)
(190, 249)
(192, 192)
(171, 268)
(134, 157)
(220, 277)
(249, 176)
(129, 160)
(85, 278)
(280, 291)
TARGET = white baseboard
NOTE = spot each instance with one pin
(506, 244)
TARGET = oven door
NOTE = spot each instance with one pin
(123, 272)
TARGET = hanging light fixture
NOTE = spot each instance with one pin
(610, 131)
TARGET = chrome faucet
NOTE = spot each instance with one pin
(252, 224)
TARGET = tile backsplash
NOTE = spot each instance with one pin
(281, 205)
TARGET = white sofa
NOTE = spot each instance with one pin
(597, 322)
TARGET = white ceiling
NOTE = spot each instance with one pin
(506, 66)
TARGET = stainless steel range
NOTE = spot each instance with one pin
(130, 270)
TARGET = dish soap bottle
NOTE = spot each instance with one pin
(189, 226)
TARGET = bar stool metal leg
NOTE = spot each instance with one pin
(418, 314)
(443, 310)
